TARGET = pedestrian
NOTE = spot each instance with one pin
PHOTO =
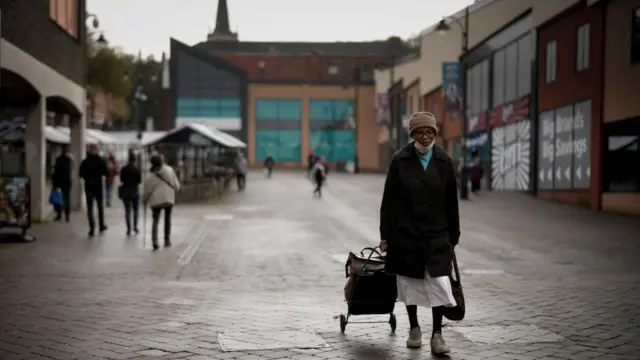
(319, 176)
(419, 226)
(269, 163)
(241, 170)
(61, 179)
(159, 194)
(129, 193)
(311, 160)
(92, 170)
(476, 172)
(112, 168)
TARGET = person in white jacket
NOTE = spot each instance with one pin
(159, 194)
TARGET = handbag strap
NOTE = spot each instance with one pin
(456, 270)
(164, 180)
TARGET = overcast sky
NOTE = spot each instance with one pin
(147, 25)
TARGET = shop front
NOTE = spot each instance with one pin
(511, 145)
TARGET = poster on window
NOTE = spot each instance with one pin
(564, 148)
(510, 156)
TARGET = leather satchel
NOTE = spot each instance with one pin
(456, 313)
(361, 266)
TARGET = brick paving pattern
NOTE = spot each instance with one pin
(265, 271)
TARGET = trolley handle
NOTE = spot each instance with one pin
(373, 250)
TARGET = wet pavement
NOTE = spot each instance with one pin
(261, 275)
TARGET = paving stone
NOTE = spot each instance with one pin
(513, 334)
(268, 340)
(533, 271)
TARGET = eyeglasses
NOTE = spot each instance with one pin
(428, 132)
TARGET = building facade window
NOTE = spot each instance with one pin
(621, 172)
(333, 70)
(635, 33)
(511, 72)
(331, 132)
(550, 64)
(65, 14)
(582, 51)
(525, 56)
(478, 88)
(278, 123)
(498, 77)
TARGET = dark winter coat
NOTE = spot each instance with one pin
(419, 214)
(130, 179)
(62, 169)
(92, 169)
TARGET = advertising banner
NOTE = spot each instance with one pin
(383, 109)
(15, 202)
(564, 148)
(451, 86)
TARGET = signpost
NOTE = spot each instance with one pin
(564, 143)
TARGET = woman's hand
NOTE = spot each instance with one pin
(383, 245)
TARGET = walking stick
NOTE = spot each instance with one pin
(144, 225)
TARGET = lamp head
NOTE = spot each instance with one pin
(442, 27)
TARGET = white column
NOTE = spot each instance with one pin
(78, 148)
(35, 154)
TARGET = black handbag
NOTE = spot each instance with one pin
(456, 313)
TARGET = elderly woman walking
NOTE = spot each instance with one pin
(419, 226)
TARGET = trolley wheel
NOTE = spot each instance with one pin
(343, 323)
(392, 322)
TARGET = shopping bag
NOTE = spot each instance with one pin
(55, 197)
(456, 313)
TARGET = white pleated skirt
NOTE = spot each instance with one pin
(428, 292)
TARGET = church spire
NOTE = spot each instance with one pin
(222, 31)
(222, 19)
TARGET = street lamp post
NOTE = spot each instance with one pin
(442, 28)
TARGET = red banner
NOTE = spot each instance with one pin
(510, 112)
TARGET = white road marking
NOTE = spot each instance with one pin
(218, 217)
(188, 254)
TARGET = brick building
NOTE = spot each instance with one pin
(283, 99)
(569, 126)
(42, 61)
(621, 108)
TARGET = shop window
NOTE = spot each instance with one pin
(582, 51)
(498, 78)
(484, 90)
(635, 41)
(65, 14)
(622, 157)
(511, 72)
(524, 66)
(478, 88)
(550, 63)
(469, 94)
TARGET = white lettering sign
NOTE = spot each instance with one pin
(507, 111)
(473, 122)
(577, 147)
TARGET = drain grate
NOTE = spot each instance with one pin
(252, 340)
(512, 334)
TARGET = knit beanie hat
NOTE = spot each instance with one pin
(422, 119)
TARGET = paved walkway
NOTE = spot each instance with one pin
(263, 273)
